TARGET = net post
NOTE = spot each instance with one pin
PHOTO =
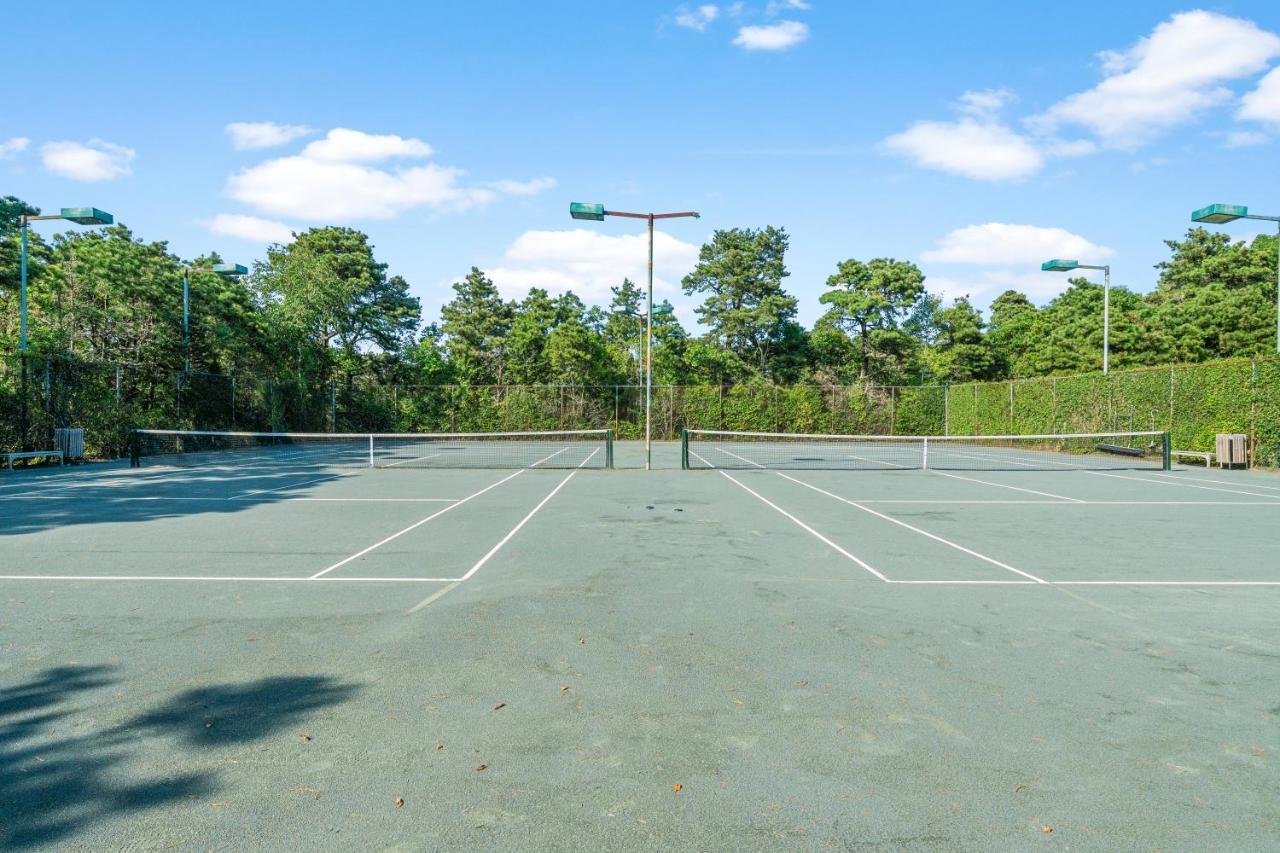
(608, 449)
(684, 449)
(135, 454)
(371, 465)
(924, 454)
(1167, 444)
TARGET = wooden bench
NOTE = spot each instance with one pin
(1201, 454)
(33, 454)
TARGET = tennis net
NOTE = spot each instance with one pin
(1088, 451)
(190, 448)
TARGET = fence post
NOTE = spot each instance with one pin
(117, 384)
(1170, 421)
(1253, 407)
(333, 406)
(1011, 429)
(233, 402)
(946, 409)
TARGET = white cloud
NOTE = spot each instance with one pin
(353, 146)
(332, 180)
(1004, 244)
(13, 147)
(984, 102)
(1166, 79)
(303, 188)
(982, 150)
(1263, 103)
(96, 160)
(697, 19)
(251, 135)
(1246, 138)
(775, 7)
(779, 36)
(250, 228)
(1069, 147)
(589, 263)
(983, 286)
(532, 187)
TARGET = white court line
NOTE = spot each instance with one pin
(1186, 485)
(1167, 583)
(971, 583)
(914, 529)
(877, 461)
(418, 524)
(1221, 482)
(131, 498)
(410, 459)
(503, 541)
(214, 578)
(800, 523)
(252, 492)
(730, 453)
(1006, 486)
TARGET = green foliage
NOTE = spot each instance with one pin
(740, 274)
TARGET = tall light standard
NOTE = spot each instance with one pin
(78, 215)
(1217, 213)
(597, 213)
(1056, 265)
(224, 270)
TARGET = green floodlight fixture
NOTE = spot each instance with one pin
(597, 213)
(1059, 265)
(78, 215)
(1219, 213)
(664, 308)
(585, 210)
(86, 216)
(223, 270)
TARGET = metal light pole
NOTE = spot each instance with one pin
(224, 270)
(1216, 213)
(1065, 266)
(79, 215)
(597, 213)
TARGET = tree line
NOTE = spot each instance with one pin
(323, 308)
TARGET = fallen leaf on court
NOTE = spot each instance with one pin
(677, 787)
(1017, 788)
(481, 767)
(305, 738)
(219, 804)
(439, 747)
(208, 724)
(564, 688)
(1257, 750)
(582, 641)
(1046, 829)
(399, 802)
(499, 706)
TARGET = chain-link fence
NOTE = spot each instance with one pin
(41, 393)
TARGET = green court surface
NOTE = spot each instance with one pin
(295, 658)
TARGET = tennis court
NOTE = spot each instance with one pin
(302, 643)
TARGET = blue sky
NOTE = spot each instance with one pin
(974, 139)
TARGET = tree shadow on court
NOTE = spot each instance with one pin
(119, 495)
(58, 776)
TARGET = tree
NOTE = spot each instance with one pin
(872, 301)
(740, 272)
(328, 285)
(475, 323)
(960, 352)
(1010, 332)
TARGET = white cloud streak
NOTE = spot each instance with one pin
(1263, 103)
(589, 263)
(1168, 78)
(13, 147)
(697, 19)
(94, 161)
(251, 228)
(1005, 244)
(253, 135)
(779, 36)
(981, 150)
